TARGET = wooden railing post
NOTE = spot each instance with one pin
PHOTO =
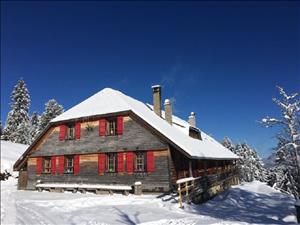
(180, 196)
(185, 185)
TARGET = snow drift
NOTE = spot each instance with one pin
(10, 152)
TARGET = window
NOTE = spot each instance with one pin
(70, 132)
(111, 126)
(140, 159)
(195, 133)
(47, 165)
(111, 162)
(69, 164)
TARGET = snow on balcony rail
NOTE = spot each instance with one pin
(183, 180)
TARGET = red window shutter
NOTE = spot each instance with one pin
(101, 163)
(150, 161)
(38, 165)
(120, 125)
(120, 166)
(77, 130)
(53, 164)
(102, 127)
(76, 164)
(61, 162)
(129, 162)
(62, 132)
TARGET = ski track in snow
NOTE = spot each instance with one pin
(235, 206)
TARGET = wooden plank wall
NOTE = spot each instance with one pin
(135, 137)
(156, 181)
(22, 180)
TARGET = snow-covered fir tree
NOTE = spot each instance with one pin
(287, 169)
(52, 110)
(1, 129)
(228, 144)
(249, 165)
(34, 126)
(21, 135)
(16, 127)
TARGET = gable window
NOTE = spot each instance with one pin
(69, 164)
(140, 162)
(70, 132)
(111, 162)
(111, 126)
(47, 165)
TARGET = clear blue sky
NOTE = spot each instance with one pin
(219, 59)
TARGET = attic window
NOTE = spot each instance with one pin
(111, 126)
(70, 131)
(195, 133)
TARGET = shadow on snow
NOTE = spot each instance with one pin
(240, 205)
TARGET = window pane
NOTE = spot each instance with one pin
(111, 127)
(111, 162)
(140, 162)
(46, 165)
(69, 164)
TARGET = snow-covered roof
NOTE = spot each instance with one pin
(112, 101)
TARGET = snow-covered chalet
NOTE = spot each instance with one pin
(112, 141)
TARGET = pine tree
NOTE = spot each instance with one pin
(52, 110)
(249, 165)
(21, 135)
(34, 126)
(1, 129)
(287, 170)
(227, 143)
(16, 129)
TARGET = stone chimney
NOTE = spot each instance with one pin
(157, 99)
(168, 111)
(192, 119)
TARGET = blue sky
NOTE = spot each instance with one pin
(221, 60)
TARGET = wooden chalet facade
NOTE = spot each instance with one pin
(115, 145)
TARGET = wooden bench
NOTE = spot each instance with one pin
(98, 188)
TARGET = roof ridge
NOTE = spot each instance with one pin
(109, 100)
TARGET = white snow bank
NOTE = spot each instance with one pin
(182, 221)
(10, 152)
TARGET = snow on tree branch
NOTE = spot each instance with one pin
(268, 122)
(288, 147)
(285, 95)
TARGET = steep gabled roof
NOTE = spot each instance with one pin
(113, 101)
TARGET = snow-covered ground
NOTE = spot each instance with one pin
(251, 203)
(10, 152)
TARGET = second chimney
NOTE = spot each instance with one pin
(168, 111)
(157, 99)
(192, 119)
